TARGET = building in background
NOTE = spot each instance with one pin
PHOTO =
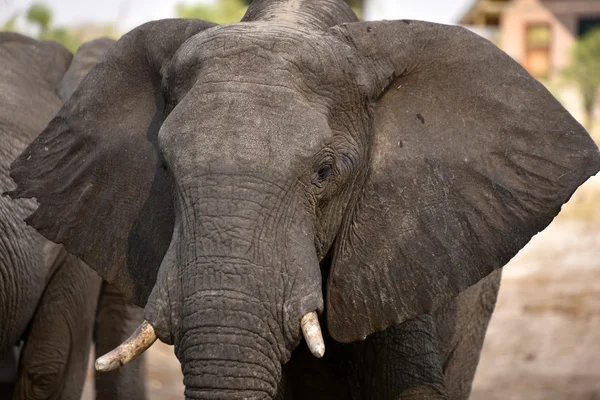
(536, 33)
(484, 17)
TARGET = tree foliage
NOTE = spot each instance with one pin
(584, 71)
(64, 37)
(41, 15)
(222, 12)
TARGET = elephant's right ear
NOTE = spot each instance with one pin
(96, 170)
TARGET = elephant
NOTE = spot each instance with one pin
(307, 206)
(49, 299)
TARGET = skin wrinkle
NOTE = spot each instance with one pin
(227, 258)
(205, 308)
(208, 364)
(46, 348)
(274, 213)
(232, 375)
(51, 363)
(260, 360)
(258, 304)
(312, 47)
(260, 363)
(230, 258)
(209, 393)
(247, 332)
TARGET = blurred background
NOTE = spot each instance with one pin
(544, 338)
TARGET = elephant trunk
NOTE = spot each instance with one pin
(238, 287)
(246, 274)
(231, 348)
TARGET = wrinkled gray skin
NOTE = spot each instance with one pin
(233, 178)
(49, 299)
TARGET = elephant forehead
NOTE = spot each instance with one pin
(254, 95)
(234, 128)
(269, 51)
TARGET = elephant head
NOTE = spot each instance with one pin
(235, 179)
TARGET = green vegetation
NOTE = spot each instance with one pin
(40, 16)
(585, 72)
(222, 12)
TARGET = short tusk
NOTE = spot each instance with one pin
(136, 344)
(312, 334)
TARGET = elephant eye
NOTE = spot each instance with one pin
(322, 174)
(168, 103)
(169, 106)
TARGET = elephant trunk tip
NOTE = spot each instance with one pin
(143, 337)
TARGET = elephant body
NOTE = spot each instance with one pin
(48, 298)
(238, 180)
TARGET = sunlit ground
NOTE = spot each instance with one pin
(544, 338)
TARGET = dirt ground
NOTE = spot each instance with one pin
(544, 338)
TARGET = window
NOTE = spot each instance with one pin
(538, 36)
(538, 43)
(587, 24)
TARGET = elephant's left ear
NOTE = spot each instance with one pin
(87, 56)
(470, 158)
(96, 169)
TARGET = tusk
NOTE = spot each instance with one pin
(136, 344)
(312, 334)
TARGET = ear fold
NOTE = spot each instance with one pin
(470, 158)
(87, 56)
(95, 169)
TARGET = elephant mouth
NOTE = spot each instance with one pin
(144, 337)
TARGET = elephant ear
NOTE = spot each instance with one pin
(470, 158)
(96, 170)
(87, 56)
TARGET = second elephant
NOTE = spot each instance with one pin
(49, 300)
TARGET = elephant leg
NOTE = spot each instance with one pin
(401, 362)
(54, 358)
(116, 320)
(8, 374)
(461, 327)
